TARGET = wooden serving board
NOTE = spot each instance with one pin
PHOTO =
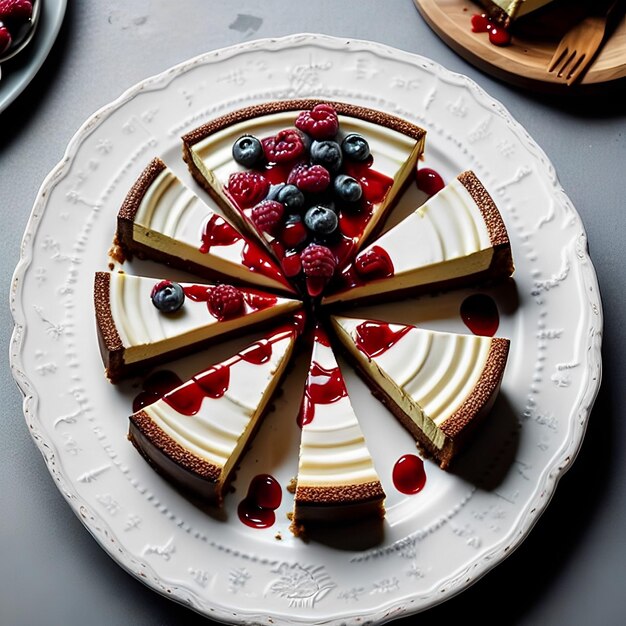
(524, 62)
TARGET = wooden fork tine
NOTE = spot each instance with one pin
(561, 51)
(577, 70)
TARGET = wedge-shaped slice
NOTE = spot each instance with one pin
(394, 147)
(163, 220)
(439, 385)
(195, 434)
(134, 334)
(456, 238)
(337, 482)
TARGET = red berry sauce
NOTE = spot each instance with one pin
(155, 386)
(480, 314)
(375, 338)
(263, 498)
(255, 301)
(429, 181)
(218, 232)
(408, 474)
(498, 35)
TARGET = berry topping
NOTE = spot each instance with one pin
(294, 233)
(291, 197)
(284, 147)
(347, 188)
(5, 38)
(15, 12)
(320, 122)
(267, 216)
(318, 261)
(374, 263)
(429, 181)
(311, 179)
(167, 296)
(292, 265)
(225, 301)
(321, 220)
(248, 151)
(247, 188)
(355, 147)
(328, 154)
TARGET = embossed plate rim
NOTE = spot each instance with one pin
(389, 607)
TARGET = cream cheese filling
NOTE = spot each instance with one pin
(429, 374)
(333, 451)
(145, 331)
(220, 430)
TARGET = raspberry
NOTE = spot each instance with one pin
(311, 178)
(5, 38)
(247, 188)
(225, 301)
(374, 263)
(268, 216)
(320, 122)
(284, 147)
(318, 261)
(15, 12)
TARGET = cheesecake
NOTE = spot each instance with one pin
(306, 172)
(195, 434)
(439, 385)
(163, 220)
(507, 11)
(337, 482)
(457, 238)
(143, 321)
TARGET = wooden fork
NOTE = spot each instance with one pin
(579, 46)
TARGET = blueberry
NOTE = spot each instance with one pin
(355, 147)
(291, 197)
(321, 220)
(293, 218)
(347, 188)
(167, 296)
(248, 151)
(328, 154)
(272, 194)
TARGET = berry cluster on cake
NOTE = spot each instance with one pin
(303, 189)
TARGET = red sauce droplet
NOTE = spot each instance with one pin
(212, 383)
(375, 338)
(258, 353)
(480, 314)
(324, 386)
(263, 498)
(259, 301)
(155, 387)
(429, 181)
(408, 474)
(480, 23)
(499, 36)
(218, 232)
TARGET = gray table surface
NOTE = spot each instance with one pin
(570, 570)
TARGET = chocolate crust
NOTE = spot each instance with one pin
(188, 472)
(339, 495)
(128, 210)
(459, 427)
(282, 106)
(110, 342)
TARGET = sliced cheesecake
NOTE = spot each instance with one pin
(439, 385)
(337, 482)
(456, 238)
(136, 334)
(308, 144)
(163, 220)
(507, 11)
(195, 434)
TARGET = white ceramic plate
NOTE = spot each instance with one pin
(435, 543)
(17, 73)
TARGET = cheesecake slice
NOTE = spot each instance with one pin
(507, 11)
(135, 334)
(196, 433)
(163, 220)
(309, 145)
(455, 239)
(439, 385)
(337, 482)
